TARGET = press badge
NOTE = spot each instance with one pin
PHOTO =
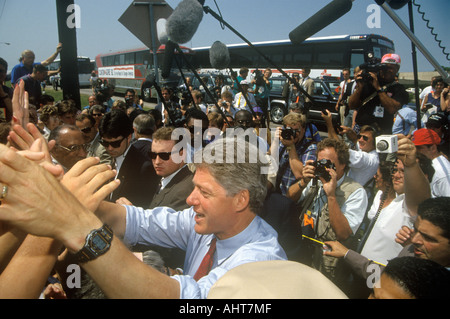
(379, 111)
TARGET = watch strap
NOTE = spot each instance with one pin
(91, 249)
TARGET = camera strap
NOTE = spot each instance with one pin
(371, 96)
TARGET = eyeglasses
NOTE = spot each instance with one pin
(74, 148)
(86, 130)
(395, 170)
(163, 155)
(97, 114)
(365, 138)
(244, 122)
(114, 144)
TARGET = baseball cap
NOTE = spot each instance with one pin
(425, 136)
(391, 58)
(244, 82)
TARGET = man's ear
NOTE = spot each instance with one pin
(241, 200)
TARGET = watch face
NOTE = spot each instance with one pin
(98, 243)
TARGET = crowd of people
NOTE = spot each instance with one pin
(109, 189)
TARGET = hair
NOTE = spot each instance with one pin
(130, 91)
(243, 70)
(66, 106)
(47, 111)
(419, 278)
(294, 118)
(39, 68)
(241, 170)
(4, 63)
(195, 113)
(55, 134)
(82, 116)
(156, 115)
(437, 80)
(96, 107)
(226, 94)
(119, 104)
(339, 146)
(144, 124)
(435, 210)
(216, 118)
(44, 99)
(116, 123)
(165, 134)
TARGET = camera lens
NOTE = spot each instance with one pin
(382, 146)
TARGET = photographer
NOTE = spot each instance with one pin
(262, 85)
(333, 205)
(294, 150)
(378, 96)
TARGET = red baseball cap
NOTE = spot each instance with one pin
(425, 136)
(391, 58)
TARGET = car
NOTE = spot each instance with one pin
(325, 95)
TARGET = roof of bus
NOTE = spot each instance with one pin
(354, 37)
(162, 47)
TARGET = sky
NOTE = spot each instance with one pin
(32, 24)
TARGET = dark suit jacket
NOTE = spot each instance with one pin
(144, 146)
(138, 179)
(282, 214)
(175, 193)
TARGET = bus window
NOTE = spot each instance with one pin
(129, 58)
(143, 57)
(356, 59)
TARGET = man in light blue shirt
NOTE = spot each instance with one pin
(224, 206)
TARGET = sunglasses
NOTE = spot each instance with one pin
(115, 144)
(365, 138)
(74, 148)
(163, 155)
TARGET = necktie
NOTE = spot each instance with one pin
(207, 262)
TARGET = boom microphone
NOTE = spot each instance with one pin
(184, 21)
(324, 17)
(169, 52)
(219, 56)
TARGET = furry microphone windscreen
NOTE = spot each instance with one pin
(184, 21)
(219, 56)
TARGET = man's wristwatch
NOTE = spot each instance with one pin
(97, 243)
(381, 90)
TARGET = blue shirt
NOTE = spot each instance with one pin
(19, 71)
(165, 227)
(404, 120)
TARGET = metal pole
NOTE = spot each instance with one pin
(153, 35)
(414, 60)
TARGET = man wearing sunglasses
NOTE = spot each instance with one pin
(175, 185)
(86, 124)
(138, 180)
(364, 159)
(70, 146)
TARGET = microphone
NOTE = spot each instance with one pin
(184, 21)
(168, 58)
(161, 31)
(219, 56)
(324, 17)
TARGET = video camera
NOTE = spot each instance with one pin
(321, 169)
(374, 65)
(259, 77)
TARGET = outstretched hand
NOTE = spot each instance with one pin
(20, 105)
